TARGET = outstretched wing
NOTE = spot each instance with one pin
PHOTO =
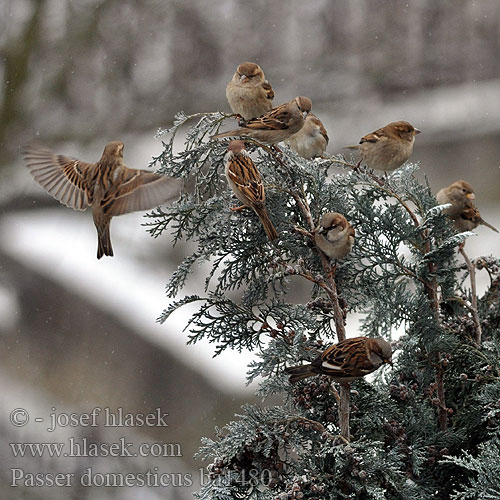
(139, 190)
(62, 177)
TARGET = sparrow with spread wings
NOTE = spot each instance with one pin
(108, 186)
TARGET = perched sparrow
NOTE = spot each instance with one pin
(311, 140)
(246, 183)
(348, 360)
(462, 211)
(334, 235)
(249, 93)
(108, 186)
(388, 147)
(276, 125)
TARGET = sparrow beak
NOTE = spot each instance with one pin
(471, 196)
(243, 78)
(416, 131)
(388, 361)
(304, 114)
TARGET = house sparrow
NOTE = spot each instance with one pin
(276, 125)
(346, 361)
(334, 235)
(246, 182)
(462, 211)
(108, 186)
(388, 147)
(249, 93)
(311, 140)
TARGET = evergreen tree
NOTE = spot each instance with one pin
(427, 428)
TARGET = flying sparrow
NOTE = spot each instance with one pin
(246, 183)
(463, 212)
(388, 147)
(346, 361)
(276, 125)
(311, 140)
(108, 186)
(334, 235)
(249, 93)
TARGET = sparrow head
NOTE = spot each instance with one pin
(113, 149)
(381, 349)
(304, 104)
(461, 191)
(403, 129)
(248, 71)
(331, 221)
(236, 146)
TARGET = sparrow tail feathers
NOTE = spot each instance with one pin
(104, 244)
(300, 372)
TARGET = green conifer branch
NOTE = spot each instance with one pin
(440, 399)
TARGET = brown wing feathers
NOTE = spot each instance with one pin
(62, 177)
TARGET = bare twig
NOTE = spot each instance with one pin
(304, 207)
(472, 275)
(345, 389)
(431, 289)
(338, 315)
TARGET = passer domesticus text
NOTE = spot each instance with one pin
(249, 93)
(276, 125)
(348, 360)
(463, 212)
(311, 140)
(388, 147)
(246, 183)
(108, 186)
(334, 235)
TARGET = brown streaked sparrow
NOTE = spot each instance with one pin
(276, 125)
(311, 140)
(334, 236)
(108, 186)
(249, 93)
(346, 361)
(463, 212)
(388, 147)
(246, 182)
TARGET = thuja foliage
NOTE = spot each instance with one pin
(427, 428)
